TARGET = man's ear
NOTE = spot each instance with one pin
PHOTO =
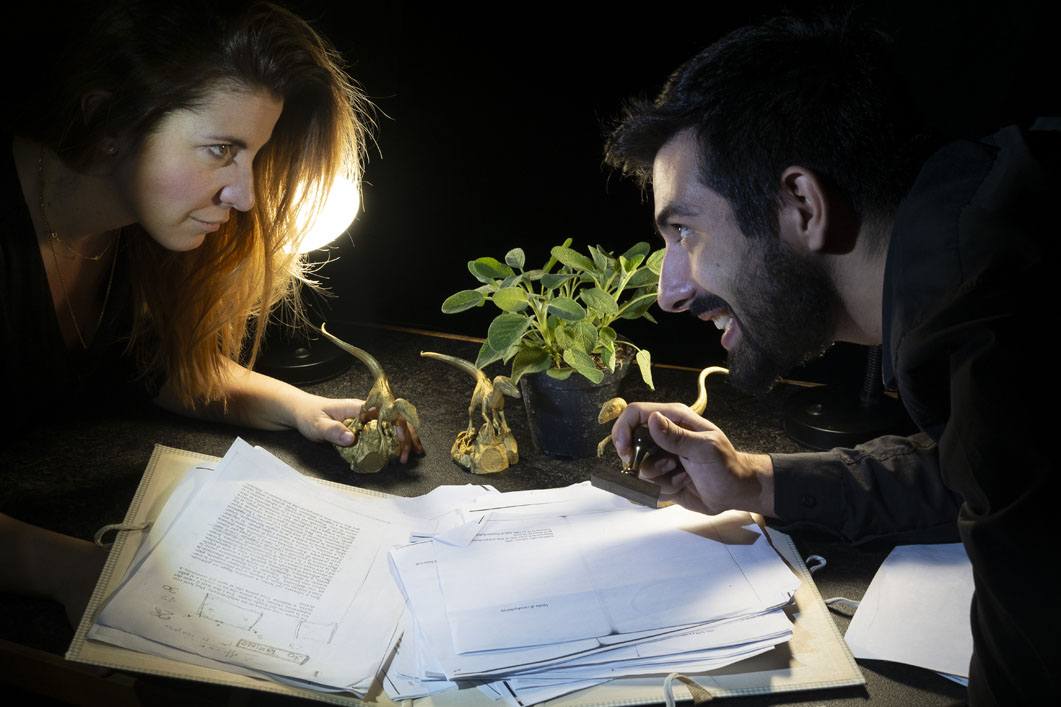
(804, 214)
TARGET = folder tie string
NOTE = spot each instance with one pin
(699, 692)
(835, 602)
(98, 537)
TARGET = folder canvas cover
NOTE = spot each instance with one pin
(815, 658)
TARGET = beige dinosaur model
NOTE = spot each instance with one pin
(490, 447)
(377, 439)
(642, 441)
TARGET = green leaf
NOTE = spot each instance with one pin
(565, 336)
(554, 280)
(606, 335)
(644, 362)
(488, 269)
(530, 359)
(603, 262)
(630, 266)
(572, 258)
(533, 275)
(487, 355)
(638, 249)
(567, 308)
(607, 355)
(552, 260)
(465, 299)
(504, 331)
(560, 374)
(583, 363)
(599, 300)
(511, 351)
(642, 278)
(655, 261)
(586, 336)
(511, 299)
(638, 306)
(515, 258)
(511, 281)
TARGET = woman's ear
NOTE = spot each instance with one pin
(91, 103)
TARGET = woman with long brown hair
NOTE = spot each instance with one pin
(157, 168)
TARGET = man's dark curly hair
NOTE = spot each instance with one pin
(821, 94)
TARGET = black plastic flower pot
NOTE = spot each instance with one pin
(563, 413)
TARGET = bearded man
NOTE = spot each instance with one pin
(801, 204)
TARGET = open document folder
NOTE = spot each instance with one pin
(253, 575)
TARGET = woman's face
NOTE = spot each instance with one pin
(197, 166)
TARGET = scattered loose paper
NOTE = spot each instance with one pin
(916, 610)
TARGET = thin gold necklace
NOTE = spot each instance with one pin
(55, 236)
(55, 259)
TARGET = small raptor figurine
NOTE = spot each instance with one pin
(377, 440)
(625, 482)
(491, 447)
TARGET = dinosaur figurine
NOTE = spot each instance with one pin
(377, 440)
(643, 444)
(491, 447)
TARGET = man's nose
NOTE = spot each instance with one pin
(676, 290)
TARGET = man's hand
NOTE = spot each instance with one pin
(696, 466)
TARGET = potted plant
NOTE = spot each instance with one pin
(555, 327)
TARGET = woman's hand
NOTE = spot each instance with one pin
(256, 400)
(320, 419)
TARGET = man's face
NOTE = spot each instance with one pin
(775, 307)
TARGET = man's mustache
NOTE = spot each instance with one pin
(704, 303)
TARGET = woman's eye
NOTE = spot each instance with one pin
(221, 151)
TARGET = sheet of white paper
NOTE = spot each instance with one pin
(916, 610)
(567, 500)
(419, 580)
(539, 580)
(269, 570)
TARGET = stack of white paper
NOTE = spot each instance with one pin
(552, 591)
(254, 569)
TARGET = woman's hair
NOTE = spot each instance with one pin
(142, 60)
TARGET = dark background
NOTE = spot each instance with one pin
(491, 122)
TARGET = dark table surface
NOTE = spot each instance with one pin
(80, 473)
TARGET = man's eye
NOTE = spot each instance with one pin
(682, 232)
(221, 151)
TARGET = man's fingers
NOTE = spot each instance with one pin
(667, 435)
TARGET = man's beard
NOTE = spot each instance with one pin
(787, 313)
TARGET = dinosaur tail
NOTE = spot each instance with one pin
(460, 363)
(701, 400)
(360, 354)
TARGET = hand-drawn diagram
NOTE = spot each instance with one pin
(311, 631)
(223, 611)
